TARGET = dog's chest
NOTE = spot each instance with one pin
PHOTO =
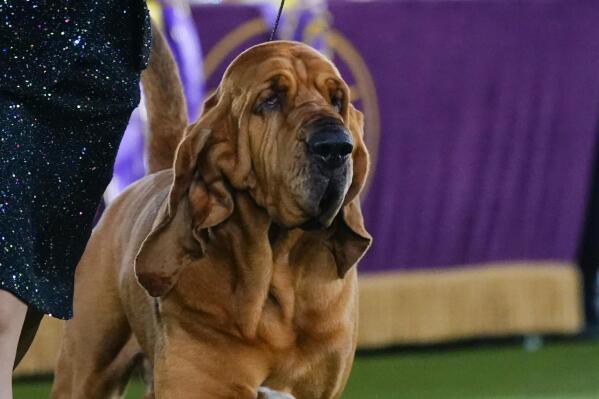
(310, 309)
(312, 332)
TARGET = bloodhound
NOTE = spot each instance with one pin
(230, 269)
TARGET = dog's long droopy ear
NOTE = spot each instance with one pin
(360, 158)
(350, 240)
(198, 199)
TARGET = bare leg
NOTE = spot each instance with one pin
(12, 316)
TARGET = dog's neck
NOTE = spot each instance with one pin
(256, 247)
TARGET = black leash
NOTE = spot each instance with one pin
(274, 30)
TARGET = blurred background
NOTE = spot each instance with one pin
(483, 198)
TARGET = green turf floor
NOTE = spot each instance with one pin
(557, 371)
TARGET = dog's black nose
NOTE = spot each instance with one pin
(331, 144)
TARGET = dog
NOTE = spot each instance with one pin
(230, 267)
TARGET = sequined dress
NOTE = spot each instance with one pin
(69, 74)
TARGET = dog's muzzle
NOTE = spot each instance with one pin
(329, 146)
(329, 143)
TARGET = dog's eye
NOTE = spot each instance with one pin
(268, 101)
(337, 102)
(271, 102)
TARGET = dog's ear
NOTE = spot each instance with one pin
(360, 158)
(350, 240)
(199, 198)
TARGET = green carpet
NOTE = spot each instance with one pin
(557, 371)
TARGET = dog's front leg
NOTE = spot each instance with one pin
(267, 393)
(192, 363)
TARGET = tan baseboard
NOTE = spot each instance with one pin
(491, 300)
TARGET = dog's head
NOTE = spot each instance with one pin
(280, 127)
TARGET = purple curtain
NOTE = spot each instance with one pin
(488, 116)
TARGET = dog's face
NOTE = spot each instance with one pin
(280, 127)
(293, 107)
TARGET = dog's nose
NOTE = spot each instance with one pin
(331, 145)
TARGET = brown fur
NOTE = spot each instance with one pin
(201, 267)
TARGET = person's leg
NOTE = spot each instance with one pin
(12, 316)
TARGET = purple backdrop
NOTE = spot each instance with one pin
(215, 21)
(488, 115)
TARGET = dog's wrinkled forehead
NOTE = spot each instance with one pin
(261, 60)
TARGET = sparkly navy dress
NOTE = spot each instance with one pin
(69, 73)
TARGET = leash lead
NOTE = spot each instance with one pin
(274, 30)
